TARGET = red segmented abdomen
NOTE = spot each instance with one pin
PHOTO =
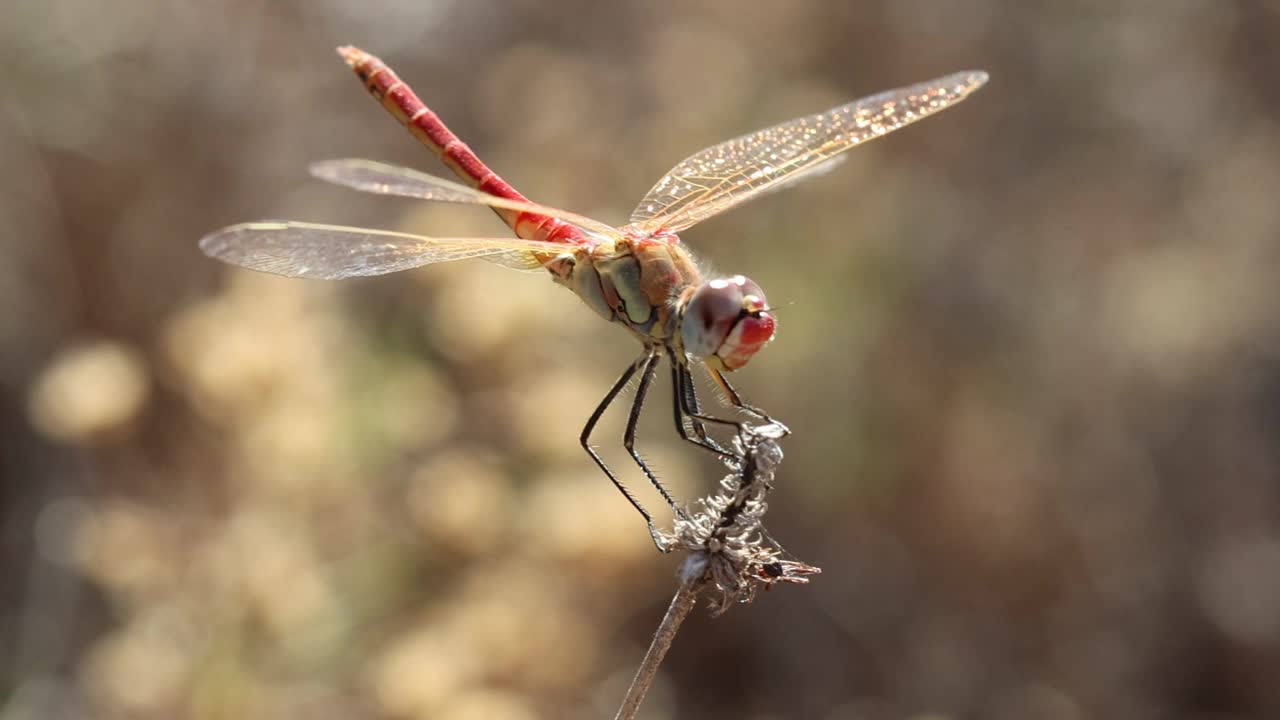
(422, 123)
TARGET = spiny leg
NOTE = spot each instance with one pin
(650, 369)
(677, 405)
(734, 398)
(585, 439)
(690, 390)
(688, 399)
(691, 399)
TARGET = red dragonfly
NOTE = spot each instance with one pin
(639, 275)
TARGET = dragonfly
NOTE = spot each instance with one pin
(639, 276)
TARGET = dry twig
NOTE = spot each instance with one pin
(729, 549)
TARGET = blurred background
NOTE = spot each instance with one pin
(1029, 349)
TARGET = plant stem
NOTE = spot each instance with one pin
(681, 604)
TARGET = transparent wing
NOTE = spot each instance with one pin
(725, 175)
(384, 179)
(518, 260)
(331, 252)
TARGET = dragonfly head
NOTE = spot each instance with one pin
(725, 322)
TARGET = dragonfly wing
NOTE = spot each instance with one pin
(516, 260)
(725, 175)
(331, 252)
(384, 179)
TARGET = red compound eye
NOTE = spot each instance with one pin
(726, 318)
(749, 334)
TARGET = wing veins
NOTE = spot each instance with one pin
(330, 252)
(386, 179)
(775, 156)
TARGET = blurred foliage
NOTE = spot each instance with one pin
(1030, 350)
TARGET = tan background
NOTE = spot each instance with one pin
(1030, 350)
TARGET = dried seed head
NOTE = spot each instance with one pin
(726, 535)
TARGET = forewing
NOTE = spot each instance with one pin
(725, 175)
(331, 252)
(384, 179)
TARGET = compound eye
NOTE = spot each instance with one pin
(753, 300)
(751, 330)
(710, 316)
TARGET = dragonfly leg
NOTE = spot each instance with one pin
(735, 399)
(683, 397)
(691, 399)
(687, 399)
(647, 373)
(585, 439)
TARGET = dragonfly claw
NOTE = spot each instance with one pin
(664, 543)
(771, 429)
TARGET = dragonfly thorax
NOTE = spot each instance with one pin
(638, 283)
(654, 289)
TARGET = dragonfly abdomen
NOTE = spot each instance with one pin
(425, 125)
